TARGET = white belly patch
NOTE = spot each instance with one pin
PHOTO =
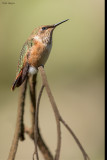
(32, 70)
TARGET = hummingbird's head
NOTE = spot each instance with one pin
(44, 33)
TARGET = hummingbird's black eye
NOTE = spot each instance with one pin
(44, 28)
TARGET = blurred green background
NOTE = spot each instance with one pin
(75, 70)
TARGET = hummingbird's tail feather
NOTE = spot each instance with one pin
(16, 81)
(21, 77)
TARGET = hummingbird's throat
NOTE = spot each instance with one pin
(45, 38)
(45, 41)
(37, 38)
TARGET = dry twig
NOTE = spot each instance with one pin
(19, 134)
(52, 101)
(59, 118)
(37, 135)
(34, 131)
(42, 146)
(32, 84)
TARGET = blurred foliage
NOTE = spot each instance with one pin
(75, 70)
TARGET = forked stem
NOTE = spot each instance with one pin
(59, 119)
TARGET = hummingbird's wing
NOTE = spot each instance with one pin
(24, 52)
(23, 67)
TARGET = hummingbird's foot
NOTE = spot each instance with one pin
(42, 65)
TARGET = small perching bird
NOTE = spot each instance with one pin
(35, 52)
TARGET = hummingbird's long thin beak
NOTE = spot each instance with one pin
(60, 23)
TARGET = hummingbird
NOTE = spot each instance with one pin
(35, 52)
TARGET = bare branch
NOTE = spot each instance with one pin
(76, 139)
(38, 138)
(42, 146)
(19, 123)
(59, 118)
(56, 112)
(32, 84)
(34, 132)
